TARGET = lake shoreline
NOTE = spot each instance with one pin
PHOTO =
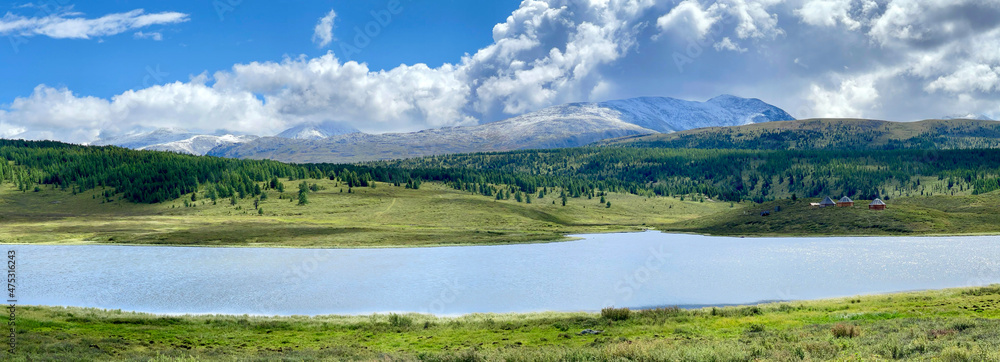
(920, 325)
(520, 314)
(569, 237)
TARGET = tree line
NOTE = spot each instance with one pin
(725, 175)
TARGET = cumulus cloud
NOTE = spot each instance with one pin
(72, 25)
(888, 59)
(323, 33)
(751, 19)
(854, 98)
(688, 18)
(828, 13)
(546, 52)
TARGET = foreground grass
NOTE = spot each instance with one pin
(381, 216)
(950, 325)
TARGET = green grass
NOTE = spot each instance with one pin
(930, 215)
(434, 215)
(952, 325)
(367, 217)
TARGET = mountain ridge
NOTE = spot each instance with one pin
(829, 133)
(567, 125)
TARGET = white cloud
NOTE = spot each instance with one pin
(728, 44)
(854, 98)
(969, 77)
(70, 25)
(157, 36)
(688, 18)
(828, 13)
(323, 33)
(883, 59)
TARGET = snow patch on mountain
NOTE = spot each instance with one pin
(200, 144)
(143, 137)
(982, 117)
(671, 115)
(172, 139)
(317, 131)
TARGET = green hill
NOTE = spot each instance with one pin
(829, 134)
(54, 192)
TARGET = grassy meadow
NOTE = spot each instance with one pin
(915, 215)
(365, 217)
(946, 325)
(392, 216)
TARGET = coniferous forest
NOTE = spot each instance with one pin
(727, 175)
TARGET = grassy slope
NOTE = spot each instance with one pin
(953, 325)
(826, 132)
(384, 216)
(933, 215)
(438, 215)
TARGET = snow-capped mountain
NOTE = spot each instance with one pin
(200, 144)
(569, 125)
(172, 139)
(667, 115)
(139, 137)
(316, 131)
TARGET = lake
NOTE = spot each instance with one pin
(625, 270)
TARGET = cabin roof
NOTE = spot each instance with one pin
(827, 201)
(877, 202)
(846, 199)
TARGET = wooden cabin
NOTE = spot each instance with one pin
(827, 202)
(877, 204)
(845, 202)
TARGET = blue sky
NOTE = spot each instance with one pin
(79, 71)
(426, 31)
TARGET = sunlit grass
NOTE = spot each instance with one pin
(948, 324)
(364, 217)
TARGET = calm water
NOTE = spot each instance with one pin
(633, 270)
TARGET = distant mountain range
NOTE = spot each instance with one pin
(173, 140)
(830, 134)
(183, 141)
(569, 125)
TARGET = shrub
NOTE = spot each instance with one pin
(955, 354)
(846, 331)
(615, 314)
(660, 313)
(397, 320)
(755, 328)
(978, 292)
